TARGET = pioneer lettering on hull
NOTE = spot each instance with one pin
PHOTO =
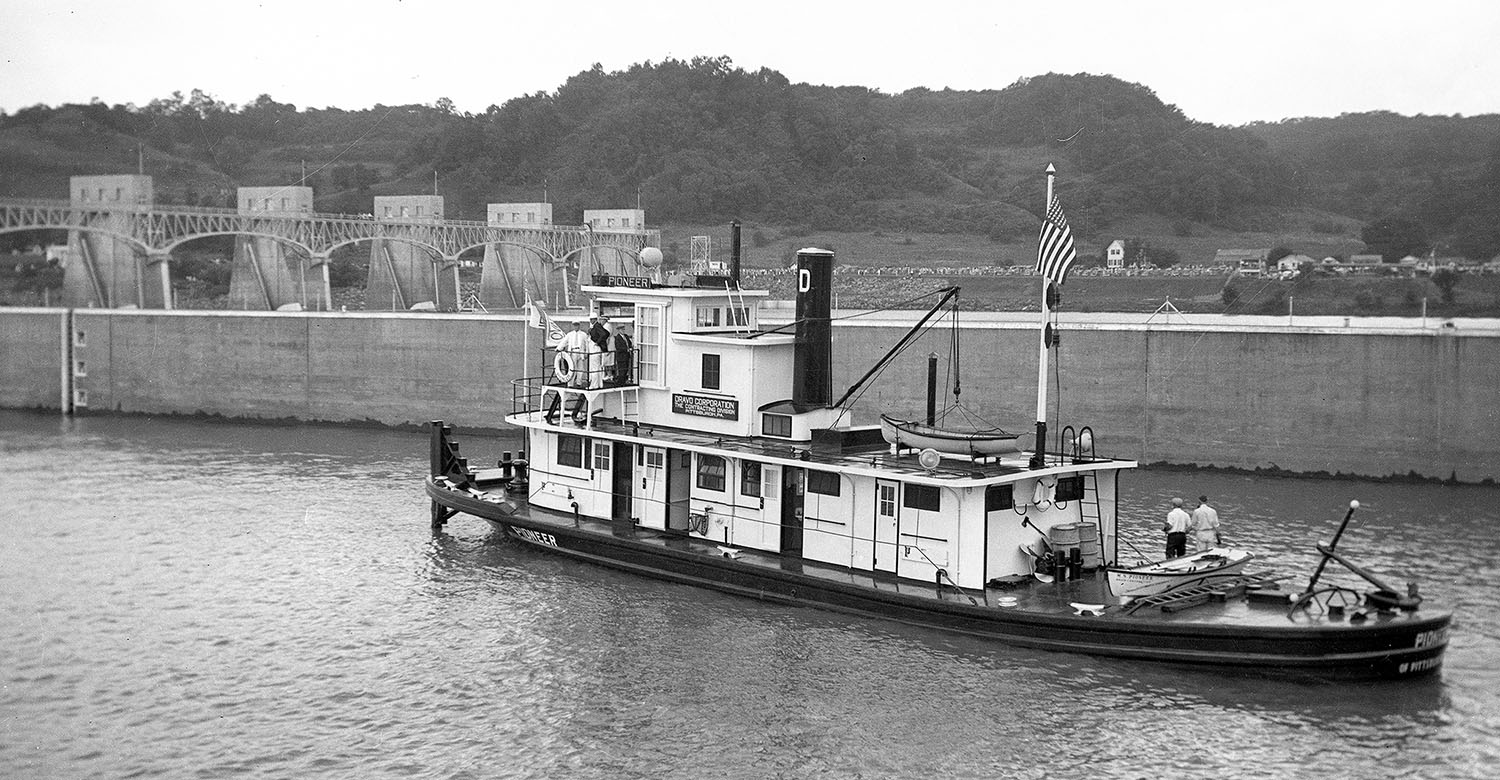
(643, 456)
(536, 537)
(1434, 637)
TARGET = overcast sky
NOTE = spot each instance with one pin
(1221, 62)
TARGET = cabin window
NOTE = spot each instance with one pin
(653, 460)
(602, 455)
(80, 338)
(738, 316)
(885, 499)
(570, 451)
(708, 317)
(776, 425)
(750, 479)
(999, 497)
(823, 482)
(648, 344)
(711, 473)
(710, 372)
(1069, 489)
(927, 497)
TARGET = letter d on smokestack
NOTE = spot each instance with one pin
(812, 366)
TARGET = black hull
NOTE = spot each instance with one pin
(1400, 647)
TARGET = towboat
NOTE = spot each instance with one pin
(715, 455)
(1155, 577)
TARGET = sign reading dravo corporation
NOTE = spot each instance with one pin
(704, 406)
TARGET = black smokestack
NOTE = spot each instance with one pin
(812, 369)
(734, 252)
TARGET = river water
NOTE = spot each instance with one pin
(193, 599)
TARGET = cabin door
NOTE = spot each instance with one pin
(621, 500)
(793, 483)
(757, 520)
(679, 488)
(651, 487)
(887, 517)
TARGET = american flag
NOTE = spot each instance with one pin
(1056, 253)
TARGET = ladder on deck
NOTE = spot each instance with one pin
(1089, 506)
(630, 403)
(1189, 596)
(737, 305)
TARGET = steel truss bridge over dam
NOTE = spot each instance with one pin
(138, 241)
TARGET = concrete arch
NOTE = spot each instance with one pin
(551, 258)
(123, 237)
(436, 251)
(269, 236)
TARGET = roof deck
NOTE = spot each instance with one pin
(859, 450)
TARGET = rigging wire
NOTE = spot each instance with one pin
(899, 349)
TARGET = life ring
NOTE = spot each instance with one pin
(562, 366)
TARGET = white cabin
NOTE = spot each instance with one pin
(703, 434)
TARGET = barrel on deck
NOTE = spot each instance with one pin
(1064, 540)
(1088, 545)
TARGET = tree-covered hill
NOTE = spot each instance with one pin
(701, 141)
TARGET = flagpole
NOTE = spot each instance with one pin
(526, 340)
(1039, 456)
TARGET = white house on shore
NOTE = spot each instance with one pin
(1114, 256)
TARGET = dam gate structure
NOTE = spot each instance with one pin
(121, 244)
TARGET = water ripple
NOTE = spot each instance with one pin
(188, 599)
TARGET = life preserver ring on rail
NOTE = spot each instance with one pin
(562, 366)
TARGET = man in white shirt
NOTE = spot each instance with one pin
(575, 346)
(1177, 525)
(1206, 525)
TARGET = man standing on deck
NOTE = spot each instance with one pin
(1178, 523)
(602, 357)
(1206, 525)
(623, 347)
(576, 346)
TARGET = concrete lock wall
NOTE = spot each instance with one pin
(1350, 403)
(31, 358)
(1372, 403)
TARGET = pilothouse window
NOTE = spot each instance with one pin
(648, 344)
